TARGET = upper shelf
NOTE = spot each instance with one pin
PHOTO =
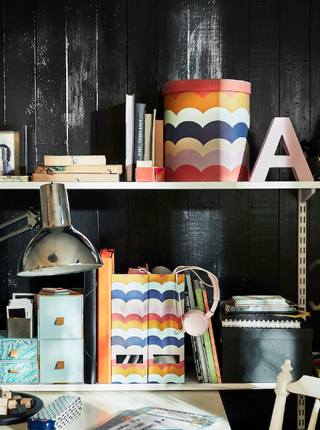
(267, 185)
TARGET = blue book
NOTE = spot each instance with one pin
(139, 121)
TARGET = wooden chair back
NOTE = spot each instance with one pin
(308, 386)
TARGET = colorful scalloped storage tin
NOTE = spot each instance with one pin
(206, 123)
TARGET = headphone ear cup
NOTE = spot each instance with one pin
(195, 323)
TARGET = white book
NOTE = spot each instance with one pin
(129, 136)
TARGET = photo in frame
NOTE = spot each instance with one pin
(13, 150)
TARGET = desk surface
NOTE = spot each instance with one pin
(101, 407)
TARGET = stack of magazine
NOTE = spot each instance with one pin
(204, 347)
(266, 311)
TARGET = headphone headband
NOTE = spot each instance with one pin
(214, 281)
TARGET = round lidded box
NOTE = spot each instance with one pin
(206, 124)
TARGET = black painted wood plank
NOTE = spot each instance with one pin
(143, 51)
(81, 21)
(19, 87)
(204, 217)
(174, 229)
(294, 103)
(233, 236)
(2, 81)
(295, 67)
(112, 88)
(51, 102)
(3, 195)
(204, 40)
(174, 222)
(82, 87)
(264, 73)
(263, 207)
(234, 16)
(313, 208)
(19, 50)
(144, 211)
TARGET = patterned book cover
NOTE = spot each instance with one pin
(129, 327)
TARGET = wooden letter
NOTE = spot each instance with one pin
(281, 128)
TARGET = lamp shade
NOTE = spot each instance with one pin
(58, 248)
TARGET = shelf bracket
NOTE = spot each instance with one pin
(305, 195)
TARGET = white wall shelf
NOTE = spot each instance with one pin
(188, 386)
(306, 189)
(282, 185)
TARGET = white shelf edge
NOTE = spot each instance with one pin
(136, 387)
(167, 185)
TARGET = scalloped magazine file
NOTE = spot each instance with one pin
(206, 123)
(146, 312)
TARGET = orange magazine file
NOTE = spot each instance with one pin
(104, 316)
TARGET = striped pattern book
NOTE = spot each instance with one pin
(146, 314)
(206, 136)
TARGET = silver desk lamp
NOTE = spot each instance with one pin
(58, 248)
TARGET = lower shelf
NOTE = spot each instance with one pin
(188, 386)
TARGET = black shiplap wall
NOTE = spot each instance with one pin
(66, 66)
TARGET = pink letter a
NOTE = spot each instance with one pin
(281, 127)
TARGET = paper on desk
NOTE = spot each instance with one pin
(157, 418)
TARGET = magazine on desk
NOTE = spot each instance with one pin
(158, 418)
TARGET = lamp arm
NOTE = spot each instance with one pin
(33, 220)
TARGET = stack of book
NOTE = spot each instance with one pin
(76, 168)
(204, 347)
(260, 312)
(144, 138)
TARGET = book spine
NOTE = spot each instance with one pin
(213, 343)
(194, 346)
(139, 120)
(159, 142)
(104, 316)
(148, 136)
(129, 136)
(201, 351)
(206, 336)
(90, 327)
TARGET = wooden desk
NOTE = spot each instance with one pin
(99, 407)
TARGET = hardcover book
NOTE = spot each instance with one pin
(229, 307)
(200, 350)
(75, 177)
(206, 335)
(129, 136)
(139, 126)
(80, 168)
(68, 160)
(104, 316)
(258, 300)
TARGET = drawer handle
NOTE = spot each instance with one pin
(59, 321)
(13, 371)
(14, 353)
(60, 365)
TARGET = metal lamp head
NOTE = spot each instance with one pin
(58, 248)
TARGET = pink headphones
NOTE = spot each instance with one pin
(196, 322)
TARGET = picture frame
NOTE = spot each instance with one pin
(13, 150)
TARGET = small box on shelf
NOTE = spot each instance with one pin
(150, 174)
